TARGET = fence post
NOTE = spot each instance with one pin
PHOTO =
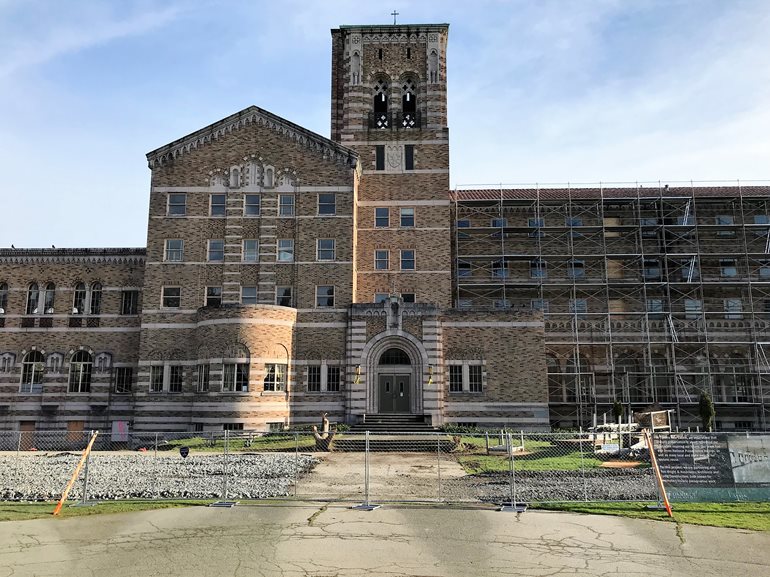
(513, 506)
(18, 457)
(225, 472)
(366, 506)
(583, 467)
(521, 433)
(155, 466)
(296, 462)
(84, 496)
(438, 463)
(486, 437)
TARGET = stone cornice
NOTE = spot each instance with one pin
(253, 114)
(73, 255)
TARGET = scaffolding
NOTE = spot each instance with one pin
(651, 293)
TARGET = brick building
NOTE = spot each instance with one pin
(288, 275)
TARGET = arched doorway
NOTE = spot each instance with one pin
(394, 381)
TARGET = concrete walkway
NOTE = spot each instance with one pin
(308, 539)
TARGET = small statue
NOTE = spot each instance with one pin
(323, 440)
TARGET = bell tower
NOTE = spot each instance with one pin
(389, 104)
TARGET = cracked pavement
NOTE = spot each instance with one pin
(297, 539)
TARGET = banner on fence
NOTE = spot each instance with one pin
(715, 467)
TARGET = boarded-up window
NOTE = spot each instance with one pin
(614, 269)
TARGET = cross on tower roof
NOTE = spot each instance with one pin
(394, 14)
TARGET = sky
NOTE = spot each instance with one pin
(540, 91)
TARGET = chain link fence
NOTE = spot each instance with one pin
(487, 467)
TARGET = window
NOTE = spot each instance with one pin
(217, 206)
(651, 269)
(129, 302)
(407, 260)
(251, 204)
(724, 220)
(573, 221)
(464, 223)
(216, 251)
(250, 251)
(204, 372)
(156, 379)
(380, 297)
(49, 298)
(687, 220)
(409, 157)
(285, 250)
(32, 369)
(123, 379)
(464, 269)
(540, 305)
(408, 297)
(474, 378)
(33, 296)
(172, 297)
(499, 269)
(3, 297)
(80, 372)
(381, 260)
(177, 204)
(323, 378)
(537, 269)
(733, 308)
(79, 299)
(248, 295)
(761, 219)
(381, 217)
(578, 306)
(314, 378)
(175, 378)
(174, 250)
(324, 296)
(283, 296)
(95, 305)
(406, 218)
(764, 270)
(213, 296)
(379, 157)
(285, 205)
(236, 378)
(655, 307)
(275, 377)
(327, 203)
(455, 378)
(466, 377)
(577, 269)
(647, 225)
(325, 249)
(499, 222)
(693, 308)
(501, 304)
(728, 267)
(537, 224)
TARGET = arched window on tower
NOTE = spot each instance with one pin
(50, 296)
(79, 299)
(3, 297)
(355, 69)
(95, 307)
(381, 114)
(33, 295)
(32, 368)
(409, 104)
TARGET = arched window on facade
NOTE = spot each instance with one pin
(630, 382)
(577, 378)
(81, 367)
(3, 297)
(95, 306)
(79, 299)
(394, 356)
(50, 297)
(32, 369)
(33, 296)
(409, 104)
(662, 378)
(732, 379)
(381, 113)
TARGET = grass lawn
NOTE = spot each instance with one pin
(23, 511)
(542, 456)
(753, 516)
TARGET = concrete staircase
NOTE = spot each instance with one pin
(393, 423)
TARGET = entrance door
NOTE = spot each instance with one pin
(394, 394)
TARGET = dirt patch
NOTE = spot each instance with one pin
(620, 464)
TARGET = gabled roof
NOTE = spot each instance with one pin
(253, 114)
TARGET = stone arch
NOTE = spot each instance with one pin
(419, 366)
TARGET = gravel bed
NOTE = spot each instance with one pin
(141, 476)
(596, 485)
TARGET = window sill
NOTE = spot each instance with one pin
(272, 393)
(322, 393)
